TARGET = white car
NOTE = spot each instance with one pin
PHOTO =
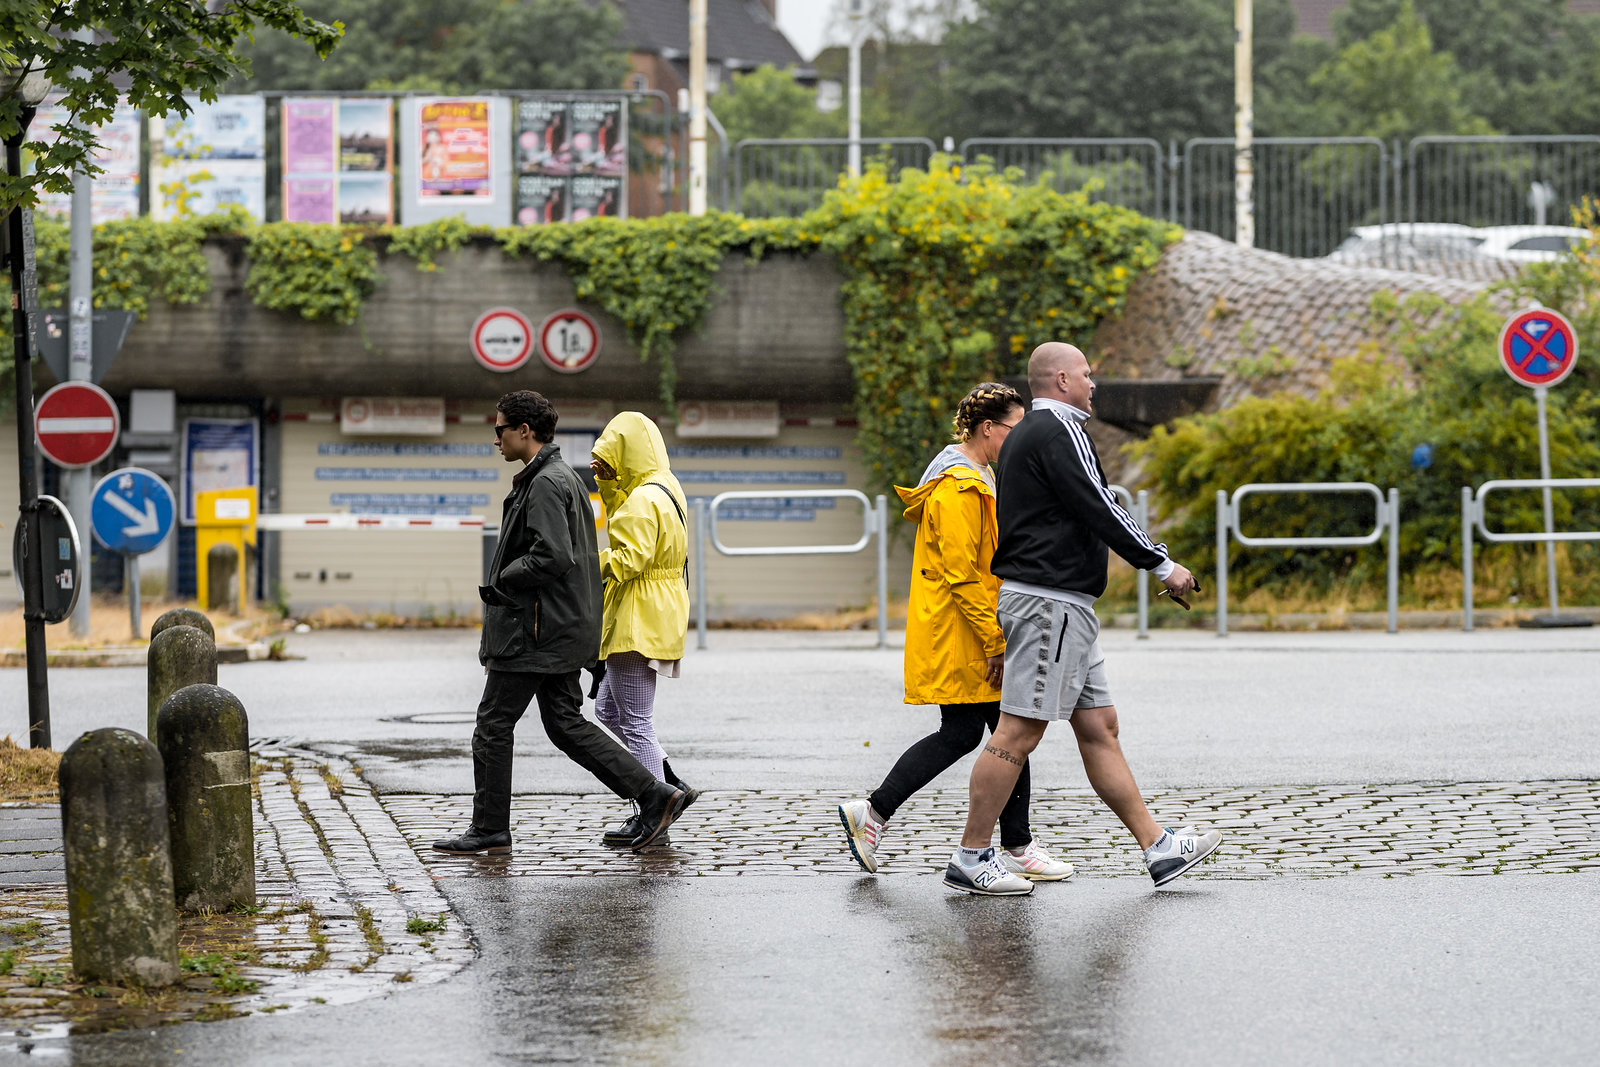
(1530, 244)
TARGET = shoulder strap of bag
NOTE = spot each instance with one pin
(681, 519)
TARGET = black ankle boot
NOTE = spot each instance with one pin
(624, 834)
(658, 807)
(691, 794)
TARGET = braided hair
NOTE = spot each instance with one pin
(988, 400)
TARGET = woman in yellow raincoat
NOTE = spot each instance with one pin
(954, 648)
(646, 590)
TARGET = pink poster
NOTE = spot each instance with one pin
(308, 200)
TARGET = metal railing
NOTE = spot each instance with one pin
(1310, 192)
(874, 526)
(1387, 521)
(787, 177)
(1127, 171)
(1140, 510)
(1472, 518)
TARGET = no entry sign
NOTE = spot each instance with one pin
(502, 339)
(1538, 347)
(76, 424)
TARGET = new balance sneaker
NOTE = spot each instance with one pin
(988, 879)
(1178, 850)
(861, 833)
(1035, 864)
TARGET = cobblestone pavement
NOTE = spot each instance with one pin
(1292, 831)
(346, 911)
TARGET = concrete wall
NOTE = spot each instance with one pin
(775, 330)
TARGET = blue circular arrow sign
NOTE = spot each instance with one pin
(131, 511)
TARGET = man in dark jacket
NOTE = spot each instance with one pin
(1057, 517)
(541, 626)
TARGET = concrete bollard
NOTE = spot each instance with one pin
(222, 579)
(179, 656)
(204, 739)
(119, 868)
(183, 617)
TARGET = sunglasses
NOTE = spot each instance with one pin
(500, 428)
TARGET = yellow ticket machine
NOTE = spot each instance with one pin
(224, 546)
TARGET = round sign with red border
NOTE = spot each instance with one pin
(1538, 347)
(502, 339)
(76, 424)
(569, 341)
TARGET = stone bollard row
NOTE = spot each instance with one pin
(147, 825)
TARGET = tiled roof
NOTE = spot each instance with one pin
(738, 31)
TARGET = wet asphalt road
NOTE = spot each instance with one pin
(1353, 969)
(899, 971)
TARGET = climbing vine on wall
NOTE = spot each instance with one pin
(951, 277)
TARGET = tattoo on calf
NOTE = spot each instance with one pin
(1003, 754)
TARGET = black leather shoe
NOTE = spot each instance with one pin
(658, 807)
(475, 843)
(623, 835)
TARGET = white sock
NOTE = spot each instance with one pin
(875, 817)
(970, 857)
(1160, 842)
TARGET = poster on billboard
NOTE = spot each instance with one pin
(116, 190)
(595, 197)
(455, 150)
(217, 454)
(599, 137)
(210, 158)
(541, 199)
(544, 138)
(337, 158)
(230, 127)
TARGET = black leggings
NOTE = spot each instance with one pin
(960, 731)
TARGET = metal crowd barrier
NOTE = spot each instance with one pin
(1388, 520)
(1472, 515)
(874, 525)
(1140, 510)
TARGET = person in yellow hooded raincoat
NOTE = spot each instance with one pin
(954, 648)
(646, 612)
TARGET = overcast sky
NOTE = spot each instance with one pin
(805, 23)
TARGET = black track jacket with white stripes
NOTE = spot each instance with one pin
(1057, 515)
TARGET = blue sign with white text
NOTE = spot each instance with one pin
(132, 511)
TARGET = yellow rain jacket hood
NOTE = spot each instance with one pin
(646, 594)
(951, 628)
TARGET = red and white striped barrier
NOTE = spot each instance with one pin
(370, 522)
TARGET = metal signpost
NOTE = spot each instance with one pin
(131, 511)
(1539, 348)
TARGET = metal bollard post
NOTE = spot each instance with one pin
(883, 571)
(178, 656)
(1141, 515)
(222, 577)
(1466, 558)
(182, 617)
(1222, 563)
(119, 869)
(700, 572)
(203, 735)
(1394, 561)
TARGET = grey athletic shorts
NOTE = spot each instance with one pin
(1053, 660)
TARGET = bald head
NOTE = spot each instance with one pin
(1059, 371)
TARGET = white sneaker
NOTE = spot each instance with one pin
(861, 833)
(988, 879)
(1177, 851)
(1035, 864)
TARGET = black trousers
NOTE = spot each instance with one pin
(506, 695)
(960, 731)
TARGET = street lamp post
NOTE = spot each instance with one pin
(31, 88)
(857, 15)
(1244, 122)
